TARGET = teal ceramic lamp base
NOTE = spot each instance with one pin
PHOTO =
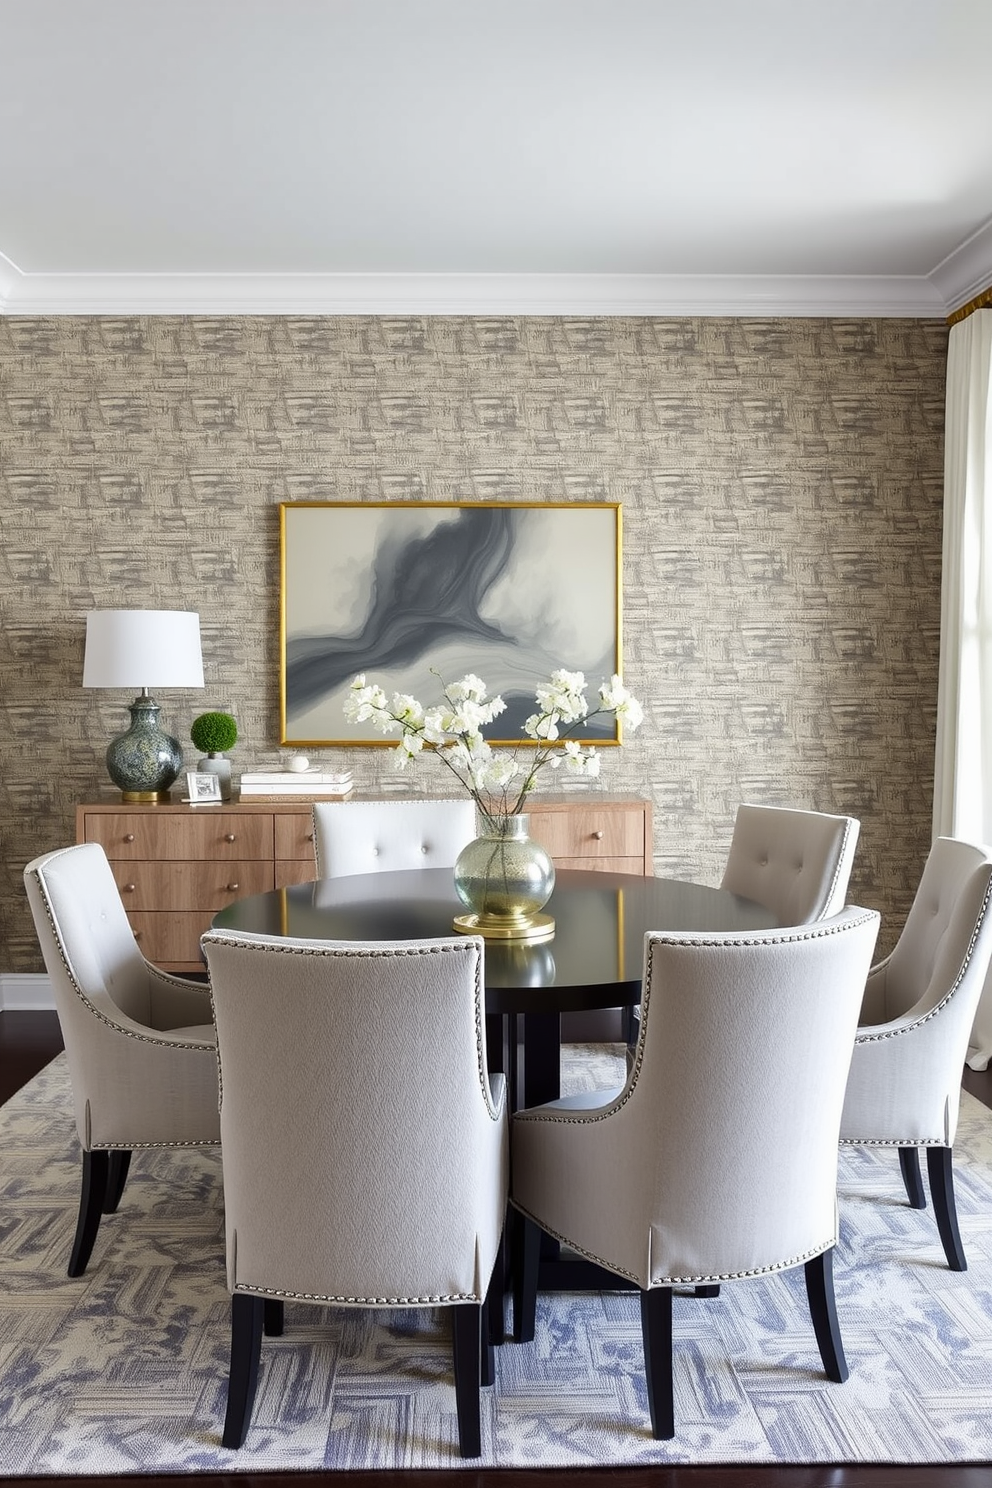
(144, 762)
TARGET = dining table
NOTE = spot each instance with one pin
(594, 959)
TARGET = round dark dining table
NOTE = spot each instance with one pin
(594, 960)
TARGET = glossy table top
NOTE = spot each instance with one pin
(594, 960)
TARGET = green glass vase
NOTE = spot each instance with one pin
(504, 878)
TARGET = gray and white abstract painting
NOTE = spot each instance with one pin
(403, 592)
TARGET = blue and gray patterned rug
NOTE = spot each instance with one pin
(125, 1370)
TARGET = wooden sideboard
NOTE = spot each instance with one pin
(177, 865)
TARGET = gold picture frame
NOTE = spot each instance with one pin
(403, 590)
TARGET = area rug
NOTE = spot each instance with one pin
(124, 1371)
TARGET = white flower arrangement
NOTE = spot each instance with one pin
(499, 781)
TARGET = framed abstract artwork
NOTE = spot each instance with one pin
(409, 591)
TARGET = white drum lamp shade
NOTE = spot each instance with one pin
(143, 649)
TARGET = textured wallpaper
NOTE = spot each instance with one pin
(781, 485)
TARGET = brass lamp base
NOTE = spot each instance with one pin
(158, 797)
(533, 928)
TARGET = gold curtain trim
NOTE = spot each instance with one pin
(980, 302)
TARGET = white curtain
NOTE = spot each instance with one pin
(963, 767)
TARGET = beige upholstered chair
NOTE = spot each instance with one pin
(904, 1087)
(795, 863)
(717, 1161)
(365, 1144)
(139, 1043)
(380, 836)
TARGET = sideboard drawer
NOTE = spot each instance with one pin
(175, 866)
(170, 884)
(590, 833)
(212, 835)
(294, 836)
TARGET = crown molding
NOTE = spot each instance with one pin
(472, 294)
(966, 272)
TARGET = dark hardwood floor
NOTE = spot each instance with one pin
(28, 1041)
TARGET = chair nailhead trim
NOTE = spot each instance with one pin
(867, 1037)
(892, 1142)
(786, 937)
(244, 1289)
(591, 1255)
(364, 953)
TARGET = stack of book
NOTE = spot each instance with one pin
(306, 784)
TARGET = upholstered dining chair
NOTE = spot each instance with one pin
(139, 1043)
(379, 836)
(795, 863)
(904, 1088)
(364, 1143)
(717, 1160)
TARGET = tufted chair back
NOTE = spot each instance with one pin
(139, 1043)
(90, 951)
(386, 836)
(904, 1089)
(919, 1005)
(795, 863)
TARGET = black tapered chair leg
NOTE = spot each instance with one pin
(247, 1314)
(466, 1349)
(92, 1196)
(823, 1311)
(909, 1166)
(941, 1175)
(656, 1332)
(119, 1163)
(492, 1306)
(495, 1318)
(273, 1317)
(528, 1260)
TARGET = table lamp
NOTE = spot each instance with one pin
(143, 649)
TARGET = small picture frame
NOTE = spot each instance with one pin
(202, 788)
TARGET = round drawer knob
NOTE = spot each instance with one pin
(309, 836)
(128, 836)
(232, 888)
(128, 888)
(598, 835)
(230, 837)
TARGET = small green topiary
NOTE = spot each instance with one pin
(214, 732)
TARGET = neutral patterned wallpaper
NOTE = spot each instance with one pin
(781, 485)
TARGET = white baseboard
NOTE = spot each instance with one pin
(25, 992)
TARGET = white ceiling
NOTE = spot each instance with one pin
(558, 156)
